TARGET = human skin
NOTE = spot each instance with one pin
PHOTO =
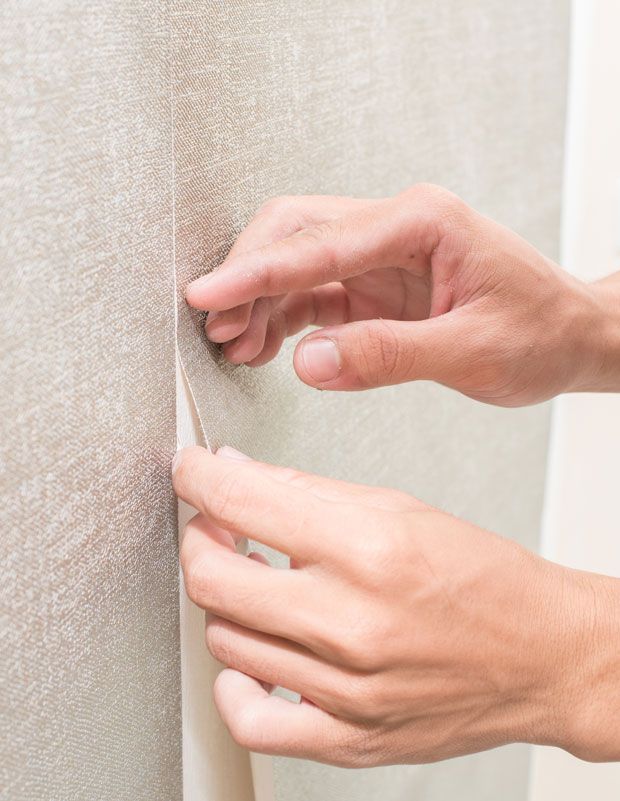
(411, 636)
(419, 286)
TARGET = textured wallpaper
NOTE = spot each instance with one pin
(364, 98)
(137, 139)
(90, 697)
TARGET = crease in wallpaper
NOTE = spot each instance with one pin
(195, 682)
(213, 767)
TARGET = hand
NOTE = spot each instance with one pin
(418, 286)
(410, 635)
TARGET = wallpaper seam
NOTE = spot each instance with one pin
(174, 258)
(261, 767)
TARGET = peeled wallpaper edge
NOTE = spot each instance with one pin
(184, 387)
(214, 769)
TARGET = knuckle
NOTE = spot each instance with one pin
(229, 496)
(373, 698)
(347, 649)
(303, 481)
(377, 552)
(387, 352)
(365, 752)
(293, 477)
(359, 749)
(357, 648)
(278, 204)
(326, 237)
(358, 691)
(437, 195)
(447, 207)
(219, 643)
(277, 324)
(268, 275)
(383, 356)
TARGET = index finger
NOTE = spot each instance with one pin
(247, 500)
(373, 237)
(275, 220)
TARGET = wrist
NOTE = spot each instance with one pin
(594, 339)
(583, 714)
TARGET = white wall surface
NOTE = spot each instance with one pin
(582, 514)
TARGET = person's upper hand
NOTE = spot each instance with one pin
(419, 286)
(411, 636)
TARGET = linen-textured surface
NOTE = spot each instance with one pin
(364, 98)
(90, 697)
(138, 135)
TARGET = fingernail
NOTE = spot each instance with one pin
(230, 453)
(176, 462)
(321, 359)
(213, 315)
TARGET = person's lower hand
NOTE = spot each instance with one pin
(419, 286)
(411, 636)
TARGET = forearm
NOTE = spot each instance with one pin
(600, 363)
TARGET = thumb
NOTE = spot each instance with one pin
(375, 353)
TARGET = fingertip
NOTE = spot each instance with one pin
(196, 293)
(239, 351)
(221, 334)
(228, 353)
(186, 455)
(224, 326)
(216, 291)
(233, 692)
(259, 361)
(232, 453)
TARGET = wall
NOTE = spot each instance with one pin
(364, 99)
(139, 137)
(90, 697)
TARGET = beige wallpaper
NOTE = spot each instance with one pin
(364, 98)
(139, 136)
(90, 704)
